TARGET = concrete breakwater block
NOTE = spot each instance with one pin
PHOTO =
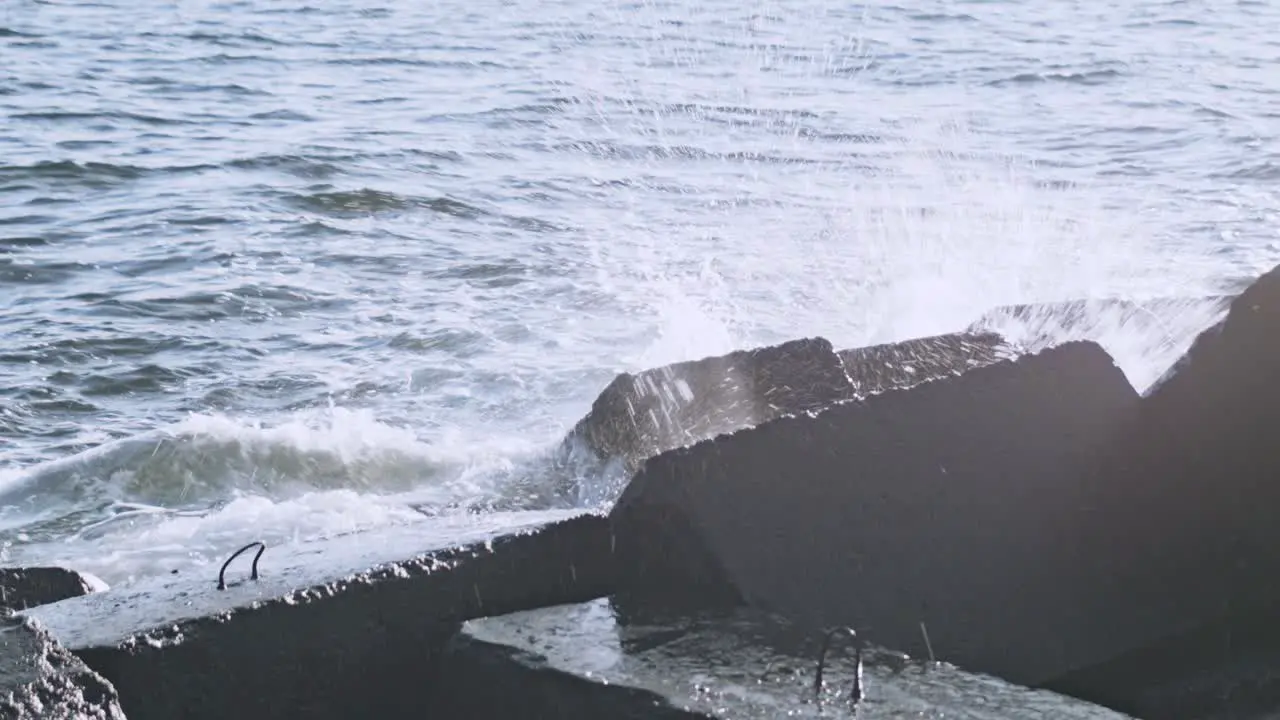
(956, 505)
(740, 664)
(333, 629)
(892, 366)
(40, 680)
(1200, 468)
(27, 587)
(641, 415)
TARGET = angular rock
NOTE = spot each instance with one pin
(22, 588)
(332, 629)
(738, 665)
(639, 416)
(903, 364)
(39, 680)
(1192, 483)
(957, 504)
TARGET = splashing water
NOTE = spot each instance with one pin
(419, 296)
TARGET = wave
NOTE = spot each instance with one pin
(367, 201)
(1086, 77)
(213, 469)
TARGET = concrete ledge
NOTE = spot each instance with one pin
(333, 629)
(39, 680)
(957, 503)
(639, 416)
(28, 587)
(900, 365)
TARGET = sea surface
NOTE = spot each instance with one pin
(276, 270)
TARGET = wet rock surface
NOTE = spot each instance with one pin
(742, 665)
(641, 415)
(891, 366)
(957, 504)
(465, 678)
(39, 680)
(332, 629)
(22, 588)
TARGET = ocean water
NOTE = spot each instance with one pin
(280, 270)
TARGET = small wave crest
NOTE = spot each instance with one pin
(209, 458)
(132, 505)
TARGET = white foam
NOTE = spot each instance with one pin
(148, 544)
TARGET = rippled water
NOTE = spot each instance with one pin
(277, 270)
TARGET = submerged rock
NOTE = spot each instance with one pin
(954, 506)
(27, 587)
(891, 366)
(39, 680)
(741, 665)
(639, 416)
(332, 629)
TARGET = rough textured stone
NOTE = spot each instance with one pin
(39, 680)
(332, 629)
(957, 503)
(639, 416)
(22, 588)
(899, 365)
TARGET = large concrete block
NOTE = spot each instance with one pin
(1193, 484)
(39, 680)
(334, 629)
(639, 416)
(27, 587)
(957, 504)
(893, 366)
